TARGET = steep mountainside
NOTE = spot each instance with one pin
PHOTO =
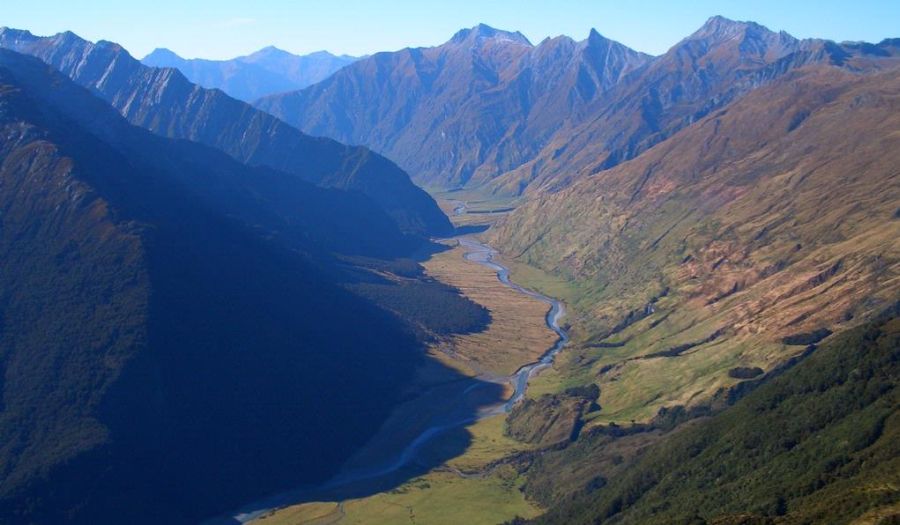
(487, 110)
(173, 340)
(775, 216)
(818, 444)
(163, 101)
(716, 65)
(463, 112)
(265, 72)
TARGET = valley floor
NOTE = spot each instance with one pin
(475, 472)
(432, 491)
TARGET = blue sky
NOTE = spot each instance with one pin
(227, 28)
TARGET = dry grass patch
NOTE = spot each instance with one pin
(517, 334)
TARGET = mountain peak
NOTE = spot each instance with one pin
(161, 54)
(720, 23)
(271, 51)
(68, 36)
(10, 31)
(601, 46)
(12, 38)
(748, 38)
(321, 54)
(720, 28)
(483, 32)
(595, 38)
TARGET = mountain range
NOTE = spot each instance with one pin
(708, 209)
(204, 302)
(165, 102)
(489, 110)
(265, 72)
(161, 300)
(462, 112)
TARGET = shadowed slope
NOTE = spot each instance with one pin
(174, 337)
(163, 101)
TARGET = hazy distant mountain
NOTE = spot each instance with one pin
(163, 101)
(488, 108)
(465, 111)
(265, 72)
(171, 326)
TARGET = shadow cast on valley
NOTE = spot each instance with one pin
(426, 430)
(471, 229)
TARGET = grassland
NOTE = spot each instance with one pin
(489, 442)
(517, 333)
(482, 211)
(438, 498)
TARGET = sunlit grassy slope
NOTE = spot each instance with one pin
(774, 217)
(820, 444)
